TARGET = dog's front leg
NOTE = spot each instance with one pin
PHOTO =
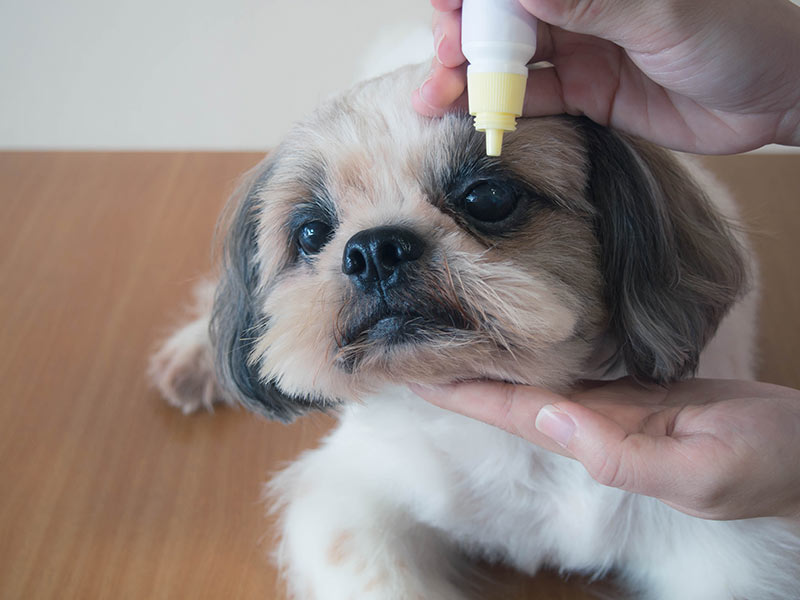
(182, 368)
(347, 535)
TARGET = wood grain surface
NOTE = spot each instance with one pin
(107, 493)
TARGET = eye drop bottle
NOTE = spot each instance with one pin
(498, 38)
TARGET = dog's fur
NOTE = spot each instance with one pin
(618, 259)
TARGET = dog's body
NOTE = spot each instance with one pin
(367, 253)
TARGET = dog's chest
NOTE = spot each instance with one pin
(492, 492)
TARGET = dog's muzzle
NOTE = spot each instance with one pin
(393, 305)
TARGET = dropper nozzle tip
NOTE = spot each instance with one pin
(494, 142)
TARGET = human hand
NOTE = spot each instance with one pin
(711, 77)
(712, 448)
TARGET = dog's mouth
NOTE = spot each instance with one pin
(387, 327)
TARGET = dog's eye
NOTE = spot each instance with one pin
(313, 236)
(489, 202)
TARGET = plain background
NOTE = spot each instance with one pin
(181, 74)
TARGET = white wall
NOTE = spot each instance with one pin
(178, 73)
(199, 74)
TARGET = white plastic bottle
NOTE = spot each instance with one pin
(498, 37)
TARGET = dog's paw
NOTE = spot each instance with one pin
(183, 370)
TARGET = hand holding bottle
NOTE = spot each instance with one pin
(711, 77)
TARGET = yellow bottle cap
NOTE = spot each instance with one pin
(495, 100)
(494, 142)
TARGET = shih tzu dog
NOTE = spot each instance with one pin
(376, 248)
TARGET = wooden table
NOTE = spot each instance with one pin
(107, 493)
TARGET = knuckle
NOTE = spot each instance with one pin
(609, 470)
(506, 413)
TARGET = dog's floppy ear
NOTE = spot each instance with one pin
(672, 267)
(236, 321)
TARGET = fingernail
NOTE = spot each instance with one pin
(555, 424)
(438, 38)
(422, 89)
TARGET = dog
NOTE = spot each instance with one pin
(374, 248)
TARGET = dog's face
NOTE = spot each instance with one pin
(376, 246)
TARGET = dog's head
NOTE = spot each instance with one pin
(376, 246)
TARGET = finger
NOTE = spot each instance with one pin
(441, 92)
(458, 105)
(636, 462)
(544, 43)
(621, 392)
(447, 38)
(446, 5)
(509, 407)
(550, 89)
(582, 80)
(654, 465)
(619, 21)
(543, 94)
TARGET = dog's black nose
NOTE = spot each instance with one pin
(375, 256)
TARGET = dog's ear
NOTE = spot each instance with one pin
(671, 264)
(236, 322)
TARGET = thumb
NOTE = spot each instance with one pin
(636, 462)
